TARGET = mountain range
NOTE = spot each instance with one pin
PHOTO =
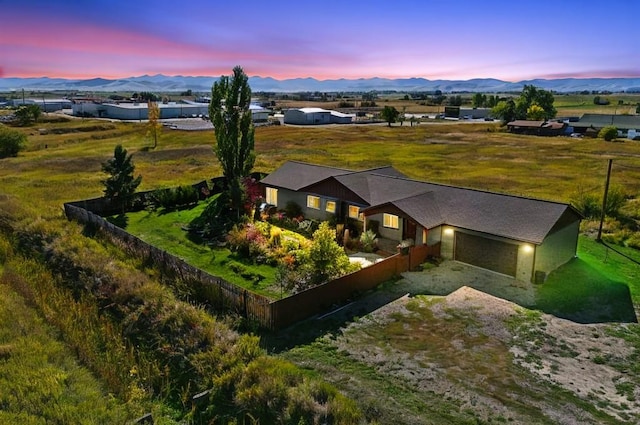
(163, 83)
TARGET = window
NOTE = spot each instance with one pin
(390, 220)
(313, 202)
(331, 207)
(272, 196)
(354, 212)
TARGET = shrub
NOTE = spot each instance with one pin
(369, 241)
(11, 141)
(608, 133)
(588, 204)
(292, 209)
(176, 197)
(634, 241)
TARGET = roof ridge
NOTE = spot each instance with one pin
(530, 198)
(318, 165)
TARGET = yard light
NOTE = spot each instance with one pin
(527, 249)
(448, 231)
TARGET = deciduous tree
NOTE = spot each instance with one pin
(535, 112)
(234, 131)
(28, 113)
(505, 110)
(530, 95)
(154, 127)
(389, 114)
(121, 185)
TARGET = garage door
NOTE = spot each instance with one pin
(489, 254)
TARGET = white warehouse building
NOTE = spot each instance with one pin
(140, 111)
(315, 116)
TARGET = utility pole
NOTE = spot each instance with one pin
(604, 201)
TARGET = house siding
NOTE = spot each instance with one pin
(447, 243)
(557, 248)
(524, 268)
(434, 236)
(387, 232)
(300, 198)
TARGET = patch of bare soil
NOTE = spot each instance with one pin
(497, 360)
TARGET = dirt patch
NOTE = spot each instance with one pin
(496, 359)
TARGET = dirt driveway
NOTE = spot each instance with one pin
(452, 275)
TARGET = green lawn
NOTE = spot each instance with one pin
(598, 286)
(167, 230)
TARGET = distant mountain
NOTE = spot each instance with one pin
(163, 83)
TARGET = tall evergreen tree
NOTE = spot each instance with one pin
(233, 126)
(121, 185)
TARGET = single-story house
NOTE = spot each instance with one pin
(521, 237)
(538, 128)
(315, 116)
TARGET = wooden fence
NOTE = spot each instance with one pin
(227, 297)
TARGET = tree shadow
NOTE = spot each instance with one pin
(120, 220)
(581, 293)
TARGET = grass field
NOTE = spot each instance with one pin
(62, 163)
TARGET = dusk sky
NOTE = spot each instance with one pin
(433, 39)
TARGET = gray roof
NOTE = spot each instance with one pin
(430, 205)
(296, 175)
(513, 217)
(376, 188)
(603, 120)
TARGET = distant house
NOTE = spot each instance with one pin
(538, 128)
(521, 237)
(316, 116)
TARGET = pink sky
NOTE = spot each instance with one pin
(329, 40)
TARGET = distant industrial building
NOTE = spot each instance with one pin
(47, 105)
(466, 113)
(134, 111)
(627, 125)
(316, 116)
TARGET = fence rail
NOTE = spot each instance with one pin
(227, 297)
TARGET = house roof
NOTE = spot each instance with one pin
(526, 123)
(430, 204)
(513, 217)
(376, 188)
(603, 120)
(296, 175)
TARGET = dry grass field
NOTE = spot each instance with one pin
(416, 343)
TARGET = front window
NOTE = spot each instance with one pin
(331, 207)
(272, 196)
(390, 221)
(354, 212)
(313, 202)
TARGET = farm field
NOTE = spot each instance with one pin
(64, 165)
